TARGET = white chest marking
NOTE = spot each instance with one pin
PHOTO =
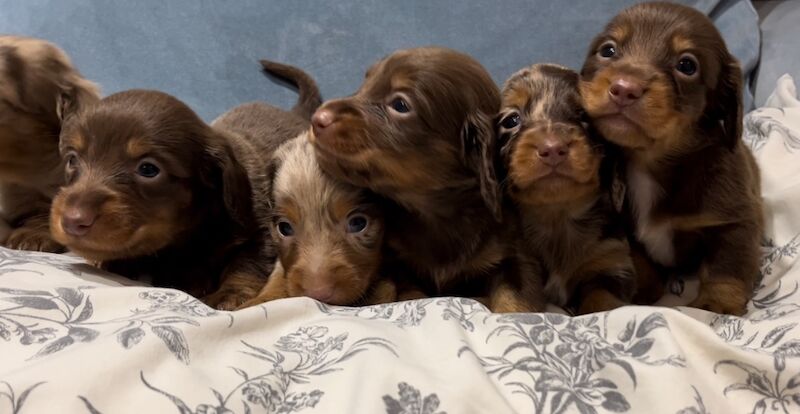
(657, 238)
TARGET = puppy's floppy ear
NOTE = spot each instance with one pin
(75, 93)
(726, 104)
(478, 151)
(232, 179)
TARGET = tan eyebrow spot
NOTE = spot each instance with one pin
(681, 43)
(516, 97)
(137, 147)
(620, 33)
(76, 141)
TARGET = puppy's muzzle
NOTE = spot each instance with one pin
(80, 213)
(625, 90)
(552, 151)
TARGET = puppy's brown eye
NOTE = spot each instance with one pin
(608, 50)
(400, 105)
(687, 65)
(510, 121)
(148, 170)
(72, 161)
(357, 223)
(285, 228)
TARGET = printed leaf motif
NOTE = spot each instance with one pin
(55, 346)
(174, 340)
(775, 335)
(615, 402)
(627, 334)
(82, 334)
(130, 337)
(25, 292)
(33, 302)
(87, 311)
(790, 348)
(641, 347)
(72, 296)
(652, 321)
(174, 319)
(794, 381)
(24, 396)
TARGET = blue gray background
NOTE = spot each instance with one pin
(206, 51)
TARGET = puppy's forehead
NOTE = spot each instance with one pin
(543, 91)
(302, 185)
(648, 27)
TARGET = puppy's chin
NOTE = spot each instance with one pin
(555, 189)
(342, 285)
(622, 131)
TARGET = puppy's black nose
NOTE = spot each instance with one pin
(77, 221)
(552, 152)
(625, 92)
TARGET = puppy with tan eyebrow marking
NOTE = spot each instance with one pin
(559, 179)
(39, 87)
(419, 131)
(660, 83)
(329, 234)
(154, 192)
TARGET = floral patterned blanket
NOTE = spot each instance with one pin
(75, 340)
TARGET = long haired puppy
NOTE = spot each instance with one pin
(329, 234)
(419, 131)
(559, 179)
(154, 192)
(660, 82)
(39, 87)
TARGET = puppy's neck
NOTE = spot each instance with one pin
(557, 214)
(442, 205)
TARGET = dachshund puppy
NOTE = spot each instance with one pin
(660, 83)
(559, 180)
(152, 191)
(419, 131)
(39, 87)
(328, 234)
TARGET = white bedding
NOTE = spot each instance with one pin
(74, 340)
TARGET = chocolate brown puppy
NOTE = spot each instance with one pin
(329, 234)
(660, 82)
(558, 176)
(152, 191)
(420, 132)
(39, 87)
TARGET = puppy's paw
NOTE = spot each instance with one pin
(226, 300)
(726, 296)
(34, 239)
(599, 300)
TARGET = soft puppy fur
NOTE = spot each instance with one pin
(419, 131)
(152, 191)
(38, 88)
(329, 234)
(660, 82)
(559, 179)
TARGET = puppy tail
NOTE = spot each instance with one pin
(309, 98)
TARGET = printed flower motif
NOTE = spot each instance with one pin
(542, 334)
(729, 328)
(263, 394)
(305, 339)
(37, 336)
(159, 297)
(296, 402)
(411, 402)
(4, 332)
